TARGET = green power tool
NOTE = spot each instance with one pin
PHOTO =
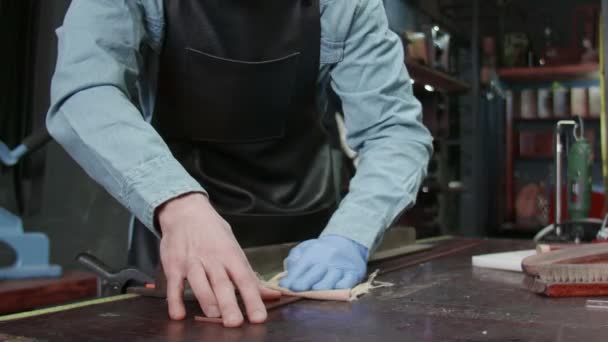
(578, 184)
(579, 178)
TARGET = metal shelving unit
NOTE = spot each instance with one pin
(440, 81)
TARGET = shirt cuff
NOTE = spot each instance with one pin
(358, 224)
(154, 183)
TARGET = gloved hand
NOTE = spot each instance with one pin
(329, 262)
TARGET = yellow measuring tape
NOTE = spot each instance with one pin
(66, 307)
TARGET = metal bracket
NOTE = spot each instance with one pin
(113, 282)
(32, 250)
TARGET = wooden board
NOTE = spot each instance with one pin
(20, 295)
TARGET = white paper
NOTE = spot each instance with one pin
(508, 261)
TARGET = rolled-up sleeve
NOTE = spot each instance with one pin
(383, 122)
(94, 111)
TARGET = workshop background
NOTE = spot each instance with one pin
(494, 76)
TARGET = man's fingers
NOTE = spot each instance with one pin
(202, 290)
(175, 293)
(248, 286)
(225, 296)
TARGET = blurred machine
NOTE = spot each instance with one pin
(31, 249)
(578, 226)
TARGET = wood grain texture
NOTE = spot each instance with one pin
(212, 320)
(577, 290)
(444, 299)
(581, 254)
(576, 271)
(10, 338)
(442, 250)
(20, 295)
(270, 305)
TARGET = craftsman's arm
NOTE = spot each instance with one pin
(383, 121)
(95, 109)
(95, 115)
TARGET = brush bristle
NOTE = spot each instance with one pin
(590, 273)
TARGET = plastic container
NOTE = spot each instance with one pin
(561, 102)
(579, 102)
(528, 104)
(545, 103)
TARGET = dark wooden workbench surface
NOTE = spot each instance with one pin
(21, 295)
(441, 300)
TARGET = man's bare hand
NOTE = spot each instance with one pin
(198, 245)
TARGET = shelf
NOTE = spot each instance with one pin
(514, 227)
(432, 186)
(534, 158)
(441, 81)
(552, 119)
(545, 159)
(550, 73)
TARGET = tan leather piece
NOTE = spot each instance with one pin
(345, 295)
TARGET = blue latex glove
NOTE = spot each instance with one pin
(329, 262)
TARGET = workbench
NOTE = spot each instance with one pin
(444, 299)
(21, 295)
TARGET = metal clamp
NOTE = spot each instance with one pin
(113, 282)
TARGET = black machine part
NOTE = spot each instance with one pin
(113, 282)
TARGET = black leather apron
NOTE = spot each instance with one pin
(236, 104)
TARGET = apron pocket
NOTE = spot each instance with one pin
(244, 101)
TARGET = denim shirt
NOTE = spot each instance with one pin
(103, 90)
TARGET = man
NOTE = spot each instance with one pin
(234, 146)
